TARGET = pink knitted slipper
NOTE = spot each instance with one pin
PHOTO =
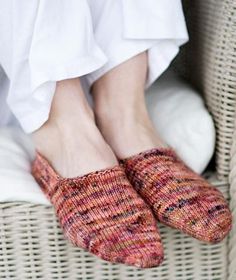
(178, 196)
(102, 213)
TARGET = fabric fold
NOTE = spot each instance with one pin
(154, 19)
(53, 42)
(48, 41)
(155, 26)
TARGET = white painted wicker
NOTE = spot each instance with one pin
(32, 247)
(209, 62)
(232, 239)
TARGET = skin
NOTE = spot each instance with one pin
(77, 140)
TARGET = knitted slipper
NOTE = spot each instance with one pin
(101, 212)
(178, 196)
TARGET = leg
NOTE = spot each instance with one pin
(70, 137)
(99, 211)
(120, 108)
(178, 197)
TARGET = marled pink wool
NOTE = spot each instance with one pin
(178, 196)
(102, 213)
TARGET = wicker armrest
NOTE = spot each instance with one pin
(209, 61)
(232, 240)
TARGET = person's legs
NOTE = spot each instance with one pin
(69, 139)
(120, 108)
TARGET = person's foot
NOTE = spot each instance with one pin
(179, 197)
(128, 133)
(70, 139)
(101, 212)
(75, 152)
(96, 205)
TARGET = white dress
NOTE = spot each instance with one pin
(44, 41)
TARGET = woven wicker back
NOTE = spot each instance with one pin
(209, 63)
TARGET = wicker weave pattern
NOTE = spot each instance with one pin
(33, 247)
(210, 64)
(232, 240)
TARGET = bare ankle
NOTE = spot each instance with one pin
(129, 129)
(70, 139)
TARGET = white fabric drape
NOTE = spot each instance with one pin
(44, 41)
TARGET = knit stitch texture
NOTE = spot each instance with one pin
(101, 212)
(178, 196)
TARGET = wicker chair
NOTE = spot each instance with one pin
(31, 242)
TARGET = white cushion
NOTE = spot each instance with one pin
(16, 181)
(180, 116)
